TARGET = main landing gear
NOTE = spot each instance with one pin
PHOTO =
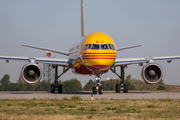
(56, 86)
(121, 86)
(97, 89)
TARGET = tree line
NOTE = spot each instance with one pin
(20, 85)
(109, 85)
(68, 85)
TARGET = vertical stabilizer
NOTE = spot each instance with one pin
(83, 31)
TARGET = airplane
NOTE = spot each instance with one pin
(94, 55)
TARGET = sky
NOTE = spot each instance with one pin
(56, 24)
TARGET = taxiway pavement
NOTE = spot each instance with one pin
(86, 95)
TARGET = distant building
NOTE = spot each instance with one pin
(108, 79)
(111, 79)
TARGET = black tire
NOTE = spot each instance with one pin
(117, 88)
(60, 88)
(52, 88)
(100, 90)
(125, 88)
(94, 91)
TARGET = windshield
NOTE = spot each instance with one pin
(87, 47)
(95, 46)
(104, 46)
(111, 46)
(98, 46)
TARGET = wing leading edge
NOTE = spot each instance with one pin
(129, 61)
(53, 61)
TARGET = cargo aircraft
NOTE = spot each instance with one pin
(94, 55)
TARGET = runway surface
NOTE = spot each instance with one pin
(86, 95)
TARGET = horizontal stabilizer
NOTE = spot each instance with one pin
(128, 47)
(48, 49)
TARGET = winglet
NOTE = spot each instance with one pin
(83, 31)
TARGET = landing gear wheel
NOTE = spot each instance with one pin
(60, 88)
(117, 88)
(52, 88)
(94, 90)
(125, 88)
(100, 90)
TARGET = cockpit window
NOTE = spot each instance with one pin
(95, 46)
(111, 46)
(87, 47)
(99, 46)
(104, 46)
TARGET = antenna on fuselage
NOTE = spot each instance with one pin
(83, 31)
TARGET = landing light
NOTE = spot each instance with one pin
(97, 78)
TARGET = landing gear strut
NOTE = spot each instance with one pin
(97, 89)
(56, 86)
(121, 86)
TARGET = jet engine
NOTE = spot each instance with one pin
(31, 73)
(151, 73)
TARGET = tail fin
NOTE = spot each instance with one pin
(83, 31)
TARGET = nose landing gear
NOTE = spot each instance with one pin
(97, 89)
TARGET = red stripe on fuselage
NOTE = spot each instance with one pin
(99, 53)
(98, 58)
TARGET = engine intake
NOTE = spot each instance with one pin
(151, 73)
(31, 73)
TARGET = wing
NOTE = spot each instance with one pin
(53, 61)
(129, 61)
(48, 49)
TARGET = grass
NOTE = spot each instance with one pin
(81, 108)
(76, 97)
(86, 109)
